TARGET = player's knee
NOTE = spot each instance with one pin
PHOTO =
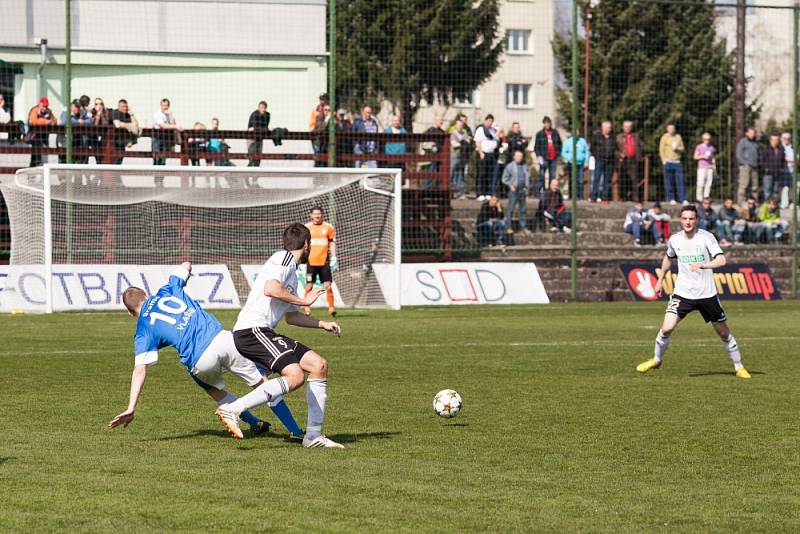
(317, 366)
(294, 377)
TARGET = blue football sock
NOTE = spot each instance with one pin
(249, 418)
(281, 410)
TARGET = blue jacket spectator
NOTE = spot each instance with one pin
(366, 123)
(582, 157)
(395, 149)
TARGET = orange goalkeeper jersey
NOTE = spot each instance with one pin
(321, 237)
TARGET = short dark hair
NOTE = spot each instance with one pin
(84, 100)
(296, 236)
(167, 101)
(263, 102)
(316, 208)
(728, 198)
(689, 207)
(546, 119)
(751, 197)
(122, 101)
(489, 116)
(132, 298)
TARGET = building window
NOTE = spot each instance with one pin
(518, 42)
(472, 101)
(518, 95)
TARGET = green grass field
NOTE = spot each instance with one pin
(558, 432)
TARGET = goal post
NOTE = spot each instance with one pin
(81, 234)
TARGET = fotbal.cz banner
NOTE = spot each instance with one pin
(738, 281)
(100, 287)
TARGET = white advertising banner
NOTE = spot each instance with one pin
(251, 273)
(100, 287)
(464, 283)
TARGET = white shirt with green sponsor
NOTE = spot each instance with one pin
(701, 248)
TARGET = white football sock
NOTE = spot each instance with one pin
(261, 395)
(662, 344)
(229, 398)
(733, 351)
(317, 396)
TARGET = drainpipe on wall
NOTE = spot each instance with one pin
(40, 69)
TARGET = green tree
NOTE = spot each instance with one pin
(654, 64)
(406, 51)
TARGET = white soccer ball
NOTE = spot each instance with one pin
(447, 403)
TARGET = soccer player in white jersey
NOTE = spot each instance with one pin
(698, 253)
(273, 297)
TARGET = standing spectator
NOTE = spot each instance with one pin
(786, 183)
(747, 158)
(704, 155)
(258, 123)
(320, 130)
(5, 118)
(218, 145)
(755, 228)
(517, 178)
(516, 141)
(394, 149)
(78, 116)
(366, 123)
(553, 209)
(773, 165)
(770, 216)
(604, 148)
(706, 216)
(126, 128)
(629, 154)
(490, 224)
(318, 110)
(434, 148)
(166, 138)
(100, 118)
(460, 149)
(671, 148)
(486, 142)
(40, 115)
(547, 147)
(197, 145)
(637, 220)
(582, 157)
(344, 143)
(731, 224)
(660, 221)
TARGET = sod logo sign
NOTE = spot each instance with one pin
(741, 281)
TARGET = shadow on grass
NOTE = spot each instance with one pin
(352, 438)
(722, 373)
(4, 459)
(196, 434)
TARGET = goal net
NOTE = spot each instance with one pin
(81, 234)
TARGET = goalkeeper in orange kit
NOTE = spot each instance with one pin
(322, 258)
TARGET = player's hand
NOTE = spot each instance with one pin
(123, 419)
(187, 265)
(694, 267)
(312, 296)
(334, 264)
(331, 327)
(659, 289)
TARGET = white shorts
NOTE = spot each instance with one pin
(220, 356)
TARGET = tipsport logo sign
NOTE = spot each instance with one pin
(741, 281)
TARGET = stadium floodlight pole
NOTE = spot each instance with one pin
(795, 88)
(332, 82)
(68, 76)
(573, 182)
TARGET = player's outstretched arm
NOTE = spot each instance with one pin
(274, 290)
(666, 266)
(305, 321)
(137, 382)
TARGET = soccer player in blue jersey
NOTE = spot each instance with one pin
(171, 318)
